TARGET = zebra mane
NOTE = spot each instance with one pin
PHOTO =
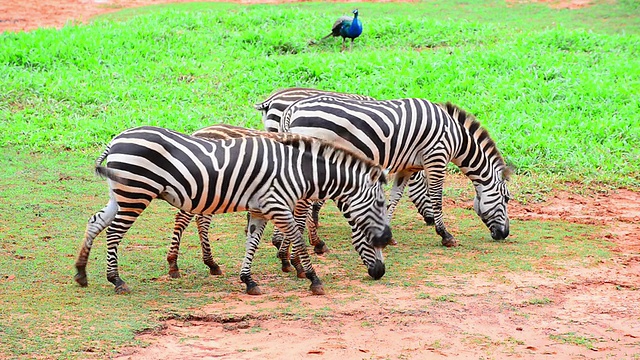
(469, 122)
(326, 147)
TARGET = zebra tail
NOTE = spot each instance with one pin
(261, 106)
(105, 172)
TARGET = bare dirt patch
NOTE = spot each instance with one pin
(583, 313)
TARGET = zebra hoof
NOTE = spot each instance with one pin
(321, 249)
(317, 289)
(451, 242)
(122, 289)
(81, 279)
(288, 268)
(174, 274)
(215, 270)
(254, 290)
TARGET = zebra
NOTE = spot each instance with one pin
(203, 221)
(258, 174)
(406, 136)
(272, 107)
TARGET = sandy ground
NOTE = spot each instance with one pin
(489, 319)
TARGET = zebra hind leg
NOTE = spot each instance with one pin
(98, 222)
(204, 221)
(182, 221)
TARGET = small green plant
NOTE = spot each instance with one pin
(537, 301)
(573, 338)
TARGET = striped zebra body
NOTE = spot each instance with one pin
(273, 107)
(203, 221)
(406, 136)
(256, 174)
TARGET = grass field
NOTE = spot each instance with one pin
(557, 89)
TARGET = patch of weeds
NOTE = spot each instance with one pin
(432, 284)
(523, 314)
(536, 301)
(422, 295)
(366, 324)
(446, 298)
(573, 338)
(255, 329)
(512, 340)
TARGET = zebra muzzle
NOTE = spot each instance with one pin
(499, 232)
(376, 271)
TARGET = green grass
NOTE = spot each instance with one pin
(556, 88)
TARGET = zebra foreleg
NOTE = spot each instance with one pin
(319, 247)
(435, 176)
(204, 222)
(397, 189)
(419, 195)
(301, 216)
(182, 221)
(255, 227)
(98, 222)
(279, 242)
(290, 228)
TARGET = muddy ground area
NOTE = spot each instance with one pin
(489, 319)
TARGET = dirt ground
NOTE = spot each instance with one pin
(489, 320)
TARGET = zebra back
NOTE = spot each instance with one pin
(273, 107)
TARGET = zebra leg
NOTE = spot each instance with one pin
(182, 221)
(255, 227)
(301, 217)
(279, 242)
(98, 222)
(120, 225)
(397, 189)
(204, 222)
(319, 247)
(435, 178)
(419, 195)
(288, 226)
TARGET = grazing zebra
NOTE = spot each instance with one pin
(203, 221)
(271, 109)
(409, 135)
(279, 100)
(258, 174)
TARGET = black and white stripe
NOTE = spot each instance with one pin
(266, 177)
(183, 218)
(272, 107)
(406, 136)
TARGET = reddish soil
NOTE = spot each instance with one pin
(489, 318)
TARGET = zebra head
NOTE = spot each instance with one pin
(366, 211)
(491, 204)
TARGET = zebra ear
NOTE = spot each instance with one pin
(377, 175)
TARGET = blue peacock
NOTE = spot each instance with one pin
(347, 28)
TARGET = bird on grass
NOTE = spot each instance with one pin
(347, 28)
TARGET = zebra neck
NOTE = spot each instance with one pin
(475, 161)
